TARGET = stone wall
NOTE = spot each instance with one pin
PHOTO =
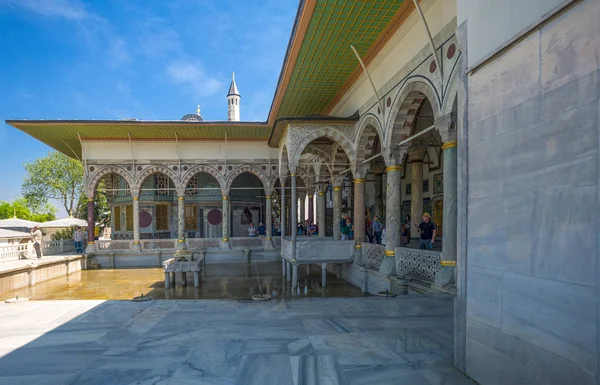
(532, 249)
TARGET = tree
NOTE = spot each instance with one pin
(101, 208)
(54, 176)
(20, 209)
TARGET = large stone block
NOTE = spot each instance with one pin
(555, 316)
(557, 152)
(507, 81)
(571, 95)
(484, 302)
(570, 45)
(565, 235)
(496, 238)
(547, 368)
(488, 366)
(486, 168)
(528, 112)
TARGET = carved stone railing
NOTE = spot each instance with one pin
(246, 242)
(373, 255)
(15, 252)
(203, 243)
(109, 244)
(416, 263)
(158, 244)
(277, 242)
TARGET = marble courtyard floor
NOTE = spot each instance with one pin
(360, 340)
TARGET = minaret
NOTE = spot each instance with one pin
(233, 101)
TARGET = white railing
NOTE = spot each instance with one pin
(244, 242)
(158, 244)
(373, 254)
(109, 244)
(14, 252)
(202, 243)
(26, 250)
(416, 263)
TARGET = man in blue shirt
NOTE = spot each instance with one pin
(377, 229)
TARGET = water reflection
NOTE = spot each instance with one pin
(219, 281)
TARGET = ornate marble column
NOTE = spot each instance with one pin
(415, 157)
(311, 206)
(282, 210)
(322, 210)
(337, 207)
(136, 220)
(181, 222)
(378, 171)
(447, 130)
(294, 220)
(269, 215)
(393, 218)
(302, 207)
(91, 222)
(359, 211)
(225, 211)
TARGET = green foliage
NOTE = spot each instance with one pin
(63, 234)
(101, 207)
(20, 209)
(54, 176)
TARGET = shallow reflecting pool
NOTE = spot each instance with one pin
(220, 281)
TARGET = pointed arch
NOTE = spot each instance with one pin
(249, 169)
(103, 171)
(200, 169)
(327, 132)
(154, 169)
(405, 107)
(369, 128)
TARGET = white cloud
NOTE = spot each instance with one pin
(193, 78)
(69, 9)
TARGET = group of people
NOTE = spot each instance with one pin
(375, 231)
(256, 231)
(36, 239)
(304, 228)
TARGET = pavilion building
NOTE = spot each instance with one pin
(483, 113)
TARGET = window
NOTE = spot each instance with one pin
(162, 217)
(129, 218)
(191, 217)
(117, 218)
(161, 182)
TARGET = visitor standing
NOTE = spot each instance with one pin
(251, 230)
(262, 229)
(428, 230)
(36, 237)
(78, 240)
(406, 231)
(312, 229)
(377, 229)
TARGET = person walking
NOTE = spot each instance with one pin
(36, 237)
(406, 231)
(377, 229)
(78, 240)
(428, 230)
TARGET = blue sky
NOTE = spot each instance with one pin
(115, 59)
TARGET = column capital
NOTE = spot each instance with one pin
(395, 168)
(446, 127)
(269, 192)
(337, 181)
(135, 194)
(225, 192)
(360, 172)
(396, 156)
(181, 197)
(416, 154)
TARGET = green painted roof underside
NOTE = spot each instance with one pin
(325, 59)
(63, 136)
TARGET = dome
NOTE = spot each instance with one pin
(192, 118)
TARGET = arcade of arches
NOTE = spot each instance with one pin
(348, 168)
